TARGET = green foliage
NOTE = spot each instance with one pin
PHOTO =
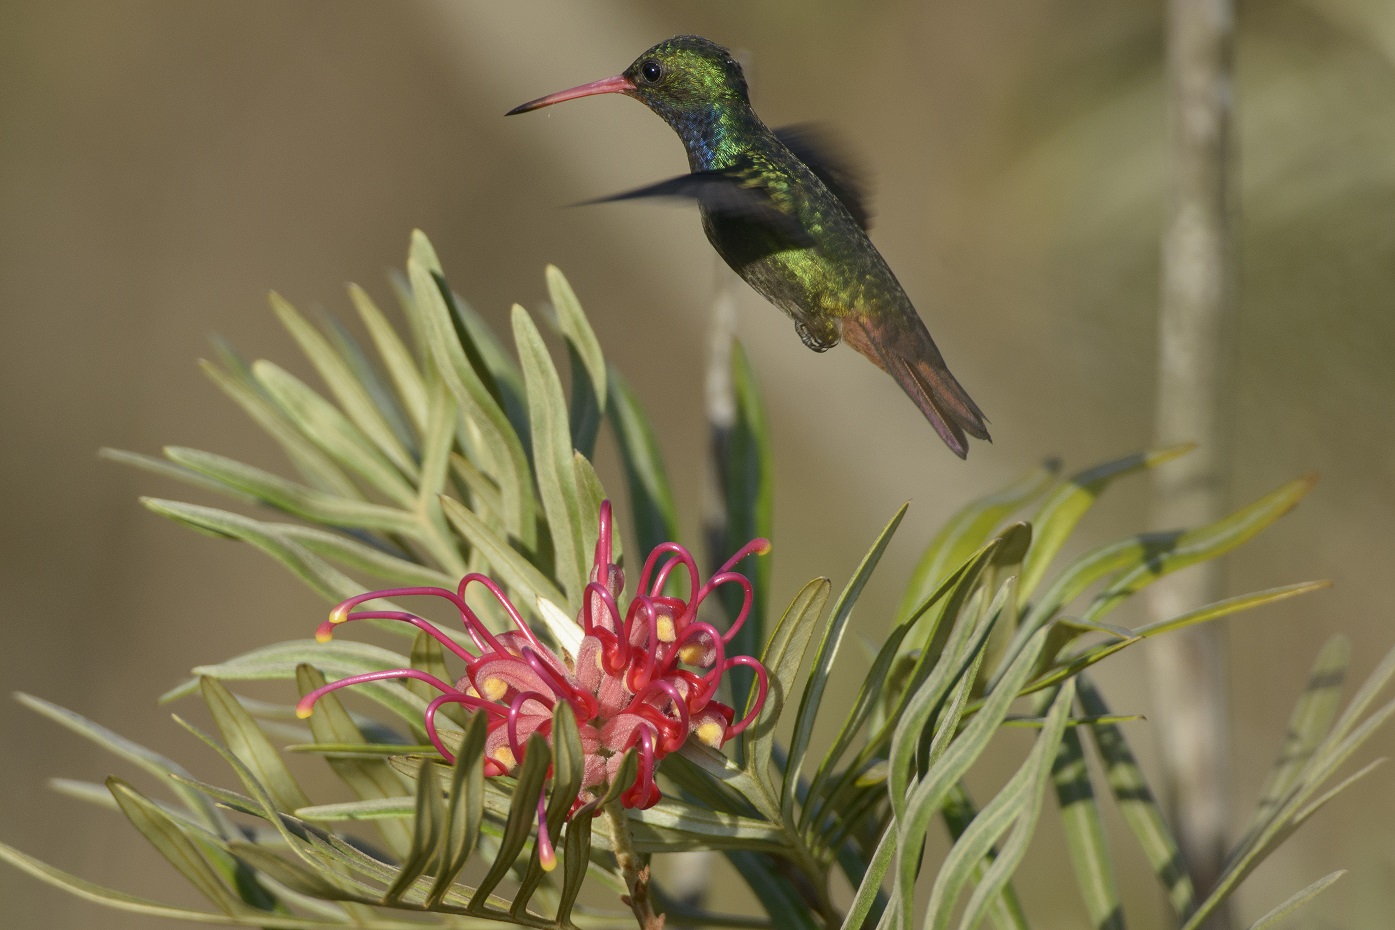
(451, 457)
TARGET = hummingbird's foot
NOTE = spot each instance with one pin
(819, 336)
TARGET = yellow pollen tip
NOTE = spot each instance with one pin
(323, 636)
(548, 862)
(505, 757)
(338, 615)
(304, 713)
(495, 688)
(764, 550)
(692, 654)
(711, 733)
(665, 628)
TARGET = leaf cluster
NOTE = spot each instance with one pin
(438, 453)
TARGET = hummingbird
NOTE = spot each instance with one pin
(788, 215)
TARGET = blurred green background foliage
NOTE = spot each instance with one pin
(163, 164)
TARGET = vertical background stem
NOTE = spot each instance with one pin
(1196, 325)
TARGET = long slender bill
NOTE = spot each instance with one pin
(611, 85)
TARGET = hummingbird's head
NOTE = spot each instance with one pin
(682, 79)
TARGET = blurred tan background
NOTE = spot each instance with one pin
(164, 164)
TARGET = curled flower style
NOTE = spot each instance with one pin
(645, 677)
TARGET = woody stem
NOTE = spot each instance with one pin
(633, 866)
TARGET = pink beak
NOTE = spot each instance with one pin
(611, 85)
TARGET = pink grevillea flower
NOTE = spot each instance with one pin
(645, 677)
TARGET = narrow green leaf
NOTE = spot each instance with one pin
(508, 564)
(332, 432)
(928, 795)
(1085, 840)
(959, 812)
(397, 359)
(967, 531)
(1361, 701)
(870, 890)
(346, 387)
(293, 875)
(1310, 721)
(651, 500)
(1293, 903)
(712, 779)
(505, 379)
(978, 843)
(437, 443)
(367, 778)
(365, 558)
(429, 656)
(871, 694)
(568, 768)
(316, 467)
(811, 697)
(359, 750)
(466, 808)
(506, 460)
(552, 454)
(355, 811)
(746, 474)
(1334, 751)
(523, 812)
(366, 371)
(1136, 802)
(181, 850)
(1229, 606)
(1060, 513)
(1312, 807)
(165, 469)
(146, 759)
(483, 491)
(783, 656)
(428, 834)
(336, 658)
(590, 495)
(587, 362)
(119, 900)
(323, 578)
(576, 857)
(293, 833)
(909, 758)
(1198, 545)
(1014, 848)
(246, 740)
(1064, 632)
(291, 497)
(675, 824)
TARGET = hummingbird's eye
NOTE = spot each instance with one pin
(651, 71)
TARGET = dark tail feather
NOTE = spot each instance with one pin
(909, 355)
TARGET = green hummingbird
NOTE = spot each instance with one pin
(788, 217)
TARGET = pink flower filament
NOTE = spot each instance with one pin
(642, 679)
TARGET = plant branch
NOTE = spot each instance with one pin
(633, 866)
(1196, 323)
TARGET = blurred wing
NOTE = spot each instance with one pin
(822, 155)
(733, 193)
